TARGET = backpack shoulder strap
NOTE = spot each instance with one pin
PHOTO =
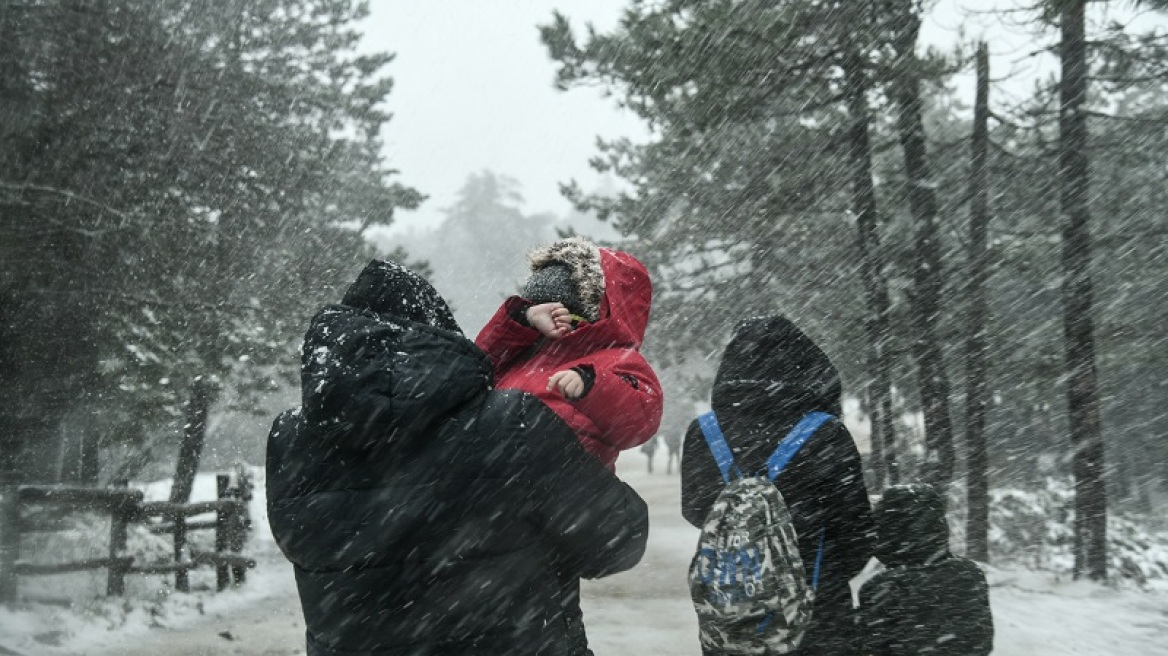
(718, 446)
(794, 441)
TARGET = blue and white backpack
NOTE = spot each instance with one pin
(747, 580)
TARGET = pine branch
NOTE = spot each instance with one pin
(141, 300)
(65, 193)
(1128, 119)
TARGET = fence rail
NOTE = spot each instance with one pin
(125, 508)
(113, 499)
(23, 568)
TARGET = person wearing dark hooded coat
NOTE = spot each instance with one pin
(424, 512)
(928, 601)
(770, 377)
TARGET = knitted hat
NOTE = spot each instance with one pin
(567, 271)
(553, 283)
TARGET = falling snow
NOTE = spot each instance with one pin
(188, 190)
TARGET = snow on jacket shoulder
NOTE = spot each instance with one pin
(940, 609)
(623, 409)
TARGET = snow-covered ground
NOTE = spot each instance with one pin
(643, 611)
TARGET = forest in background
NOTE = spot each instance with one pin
(183, 182)
(1000, 269)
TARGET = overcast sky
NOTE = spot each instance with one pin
(473, 90)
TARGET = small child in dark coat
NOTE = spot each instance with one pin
(928, 601)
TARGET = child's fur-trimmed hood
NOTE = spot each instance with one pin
(613, 286)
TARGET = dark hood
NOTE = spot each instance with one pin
(771, 368)
(386, 362)
(910, 521)
(391, 290)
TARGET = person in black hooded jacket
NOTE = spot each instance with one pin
(928, 601)
(423, 512)
(770, 377)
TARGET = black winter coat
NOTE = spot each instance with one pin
(770, 377)
(928, 601)
(423, 512)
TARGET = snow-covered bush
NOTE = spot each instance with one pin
(1035, 528)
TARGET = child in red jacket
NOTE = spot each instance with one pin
(572, 338)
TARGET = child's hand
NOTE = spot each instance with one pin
(568, 383)
(550, 319)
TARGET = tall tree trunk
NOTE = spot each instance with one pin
(884, 462)
(976, 390)
(1078, 327)
(927, 272)
(194, 436)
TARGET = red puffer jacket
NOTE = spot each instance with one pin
(623, 408)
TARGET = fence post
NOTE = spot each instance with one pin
(240, 522)
(9, 542)
(194, 437)
(119, 522)
(182, 582)
(222, 526)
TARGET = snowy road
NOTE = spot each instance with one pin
(644, 611)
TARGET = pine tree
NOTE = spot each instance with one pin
(928, 272)
(181, 194)
(741, 196)
(883, 432)
(1078, 297)
(482, 257)
(977, 392)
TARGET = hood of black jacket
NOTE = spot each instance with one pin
(387, 362)
(910, 522)
(771, 371)
(393, 291)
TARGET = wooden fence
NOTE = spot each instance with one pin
(126, 507)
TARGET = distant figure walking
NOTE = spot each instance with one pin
(649, 448)
(673, 448)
